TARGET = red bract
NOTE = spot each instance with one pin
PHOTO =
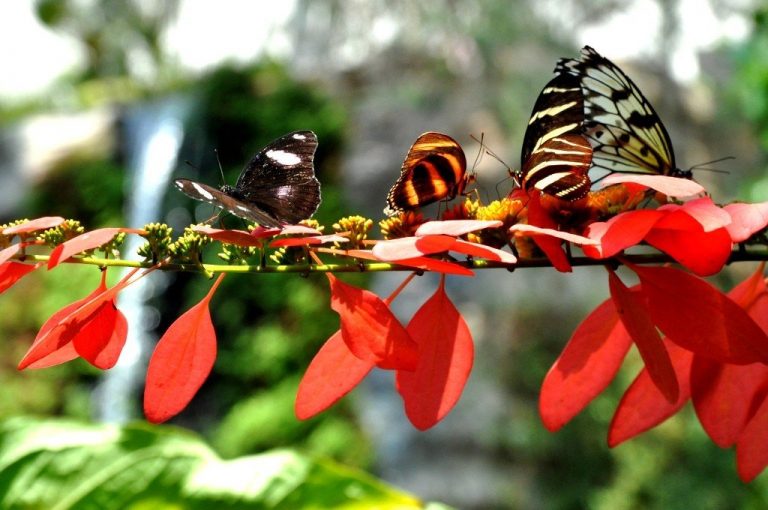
(308, 240)
(643, 406)
(83, 242)
(700, 318)
(694, 234)
(425, 263)
(445, 361)
(631, 310)
(369, 328)
(11, 272)
(238, 237)
(181, 362)
(551, 246)
(92, 328)
(586, 366)
(333, 372)
(8, 253)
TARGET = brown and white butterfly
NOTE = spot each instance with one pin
(277, 186)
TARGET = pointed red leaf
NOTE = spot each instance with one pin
(100, 341)
(643, 406)
(370, 329)
(238, 237)
(552, 247)
(706, 213)
(586, 366)
(43, 223)
(446, 356)
(752, 446)
(631, 308)
(181, 362)
(700, 318)
(684, 239)
(726, 396)
(426, 263)
(333, 372)
(53, 343)
(11, 272)
(558, 234)
(81, 243)
(746, 219)
(620, 232)
(307, 240)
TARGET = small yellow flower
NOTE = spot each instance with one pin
(404, 224)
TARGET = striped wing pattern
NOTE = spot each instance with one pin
(625, 132)
(433, 170)
(556, 157)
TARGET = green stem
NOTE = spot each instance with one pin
(209, 269)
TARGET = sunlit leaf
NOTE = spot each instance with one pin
(181, 362)
(370, 329)
(643, 406)
(632, 310)
(700, 318)
(586, 366)
(446, 357)
(87, 241)
(333, 372)
(455, 228)
(11, 272)
(671, 186)
(746, 219)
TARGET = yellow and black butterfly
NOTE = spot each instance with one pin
(622, 127)
(434, 169)
(556, 156)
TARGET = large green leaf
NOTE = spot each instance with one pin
(61, 465)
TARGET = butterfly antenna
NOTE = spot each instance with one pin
(702, 166)
(221, 169)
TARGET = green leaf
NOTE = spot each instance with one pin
(62, 465)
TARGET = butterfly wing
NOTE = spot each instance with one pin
(621, 125)
(280, 178)
(434, 169)
(558, 166)
(221, 199)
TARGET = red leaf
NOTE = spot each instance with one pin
(700, 318)
(101, 340)
(308, 240)
(81, 243)
(586, 366)
(11, 272)
(746, 219)
(88, 321)
(181, 362)
(706, 213)
(752, 446)
(684, 239)
(455, 228)
(446, 355)
(238, 237)
(551, 246)
(643, 406)
(620, 232)
(631, 309)
(45, 222)
(726, 396)
(426, 263)
(533, 230)
(370, 329)
(333, 372)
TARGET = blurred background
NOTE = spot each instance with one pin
(102, 102)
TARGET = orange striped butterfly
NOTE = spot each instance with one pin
(434, 169)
